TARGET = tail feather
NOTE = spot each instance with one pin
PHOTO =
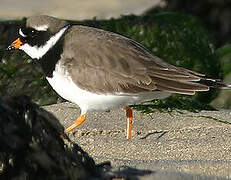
(214, 83)
(182, 81)
(211, 83)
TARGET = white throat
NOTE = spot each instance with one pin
(36, 52)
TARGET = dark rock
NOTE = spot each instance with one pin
(215, 13)
(1, 54)
(32, 148)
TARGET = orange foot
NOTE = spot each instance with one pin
(77, 123)
(82, 118)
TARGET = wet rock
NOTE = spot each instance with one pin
(215, 13)
(32, 148)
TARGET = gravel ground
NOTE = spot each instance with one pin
(187, 145)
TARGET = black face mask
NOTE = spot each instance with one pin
(34, 37)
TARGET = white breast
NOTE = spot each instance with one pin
(62, 83)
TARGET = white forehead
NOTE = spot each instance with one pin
(41, 28)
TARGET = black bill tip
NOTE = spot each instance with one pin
(10, 48)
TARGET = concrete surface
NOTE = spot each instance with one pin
(188, 145)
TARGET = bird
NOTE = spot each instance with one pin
(100, 70)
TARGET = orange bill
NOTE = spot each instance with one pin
(16, 44)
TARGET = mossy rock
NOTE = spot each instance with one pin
(177, 38)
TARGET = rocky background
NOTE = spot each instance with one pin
(194, 35)
(178, 145)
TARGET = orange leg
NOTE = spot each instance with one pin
(129, 122)
(78, 122)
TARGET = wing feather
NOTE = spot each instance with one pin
(104, 62)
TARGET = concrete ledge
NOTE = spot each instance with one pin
(191, 143)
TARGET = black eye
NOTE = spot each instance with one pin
(33, 32)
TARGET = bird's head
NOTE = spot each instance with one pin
(39, 35)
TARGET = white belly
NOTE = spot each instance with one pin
(88, 101)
